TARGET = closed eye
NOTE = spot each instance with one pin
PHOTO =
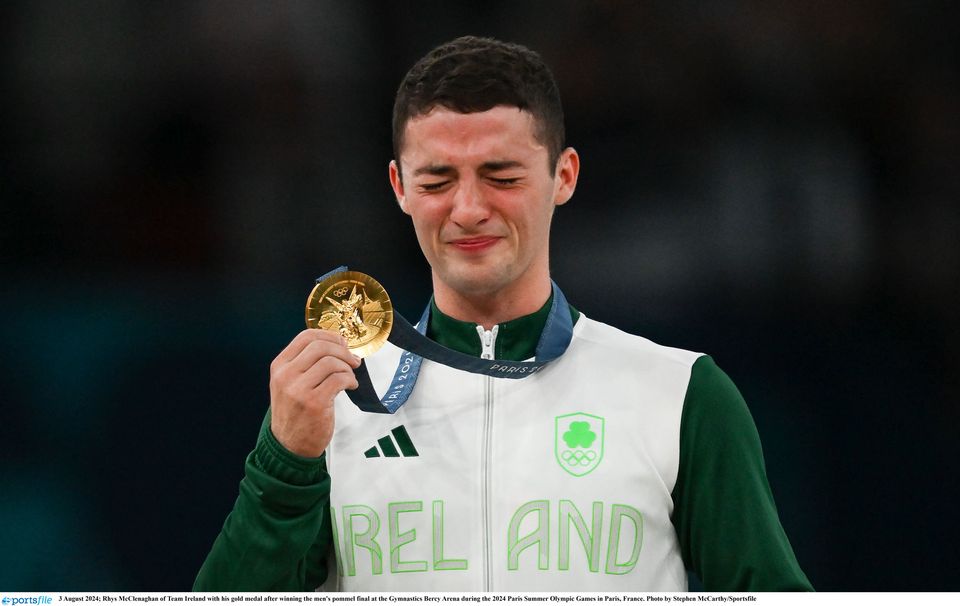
(510, 181)
(428, 187)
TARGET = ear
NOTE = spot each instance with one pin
(396, 182)
(565, 179)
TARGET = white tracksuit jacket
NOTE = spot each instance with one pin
(548, 483)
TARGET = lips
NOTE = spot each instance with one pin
(474, 244)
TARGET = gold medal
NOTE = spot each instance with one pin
(355, 306)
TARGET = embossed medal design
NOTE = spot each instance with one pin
(354, 305)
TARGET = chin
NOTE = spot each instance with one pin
(476, 283)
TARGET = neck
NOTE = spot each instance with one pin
(490, 309)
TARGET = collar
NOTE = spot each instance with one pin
(516, 339)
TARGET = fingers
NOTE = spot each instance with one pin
(312, 392)
(318, 384)
(304, 338)
(326, 370)
(320, 349)
(321, 368)
(304, 380)
(312, 345)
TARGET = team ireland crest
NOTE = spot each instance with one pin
(578, 442)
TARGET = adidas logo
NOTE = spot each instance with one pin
(386, 447)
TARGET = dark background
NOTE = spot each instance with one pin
(772, 182)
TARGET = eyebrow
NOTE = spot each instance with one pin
(501, 165)
(440, 170)
(437, 170)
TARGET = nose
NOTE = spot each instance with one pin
(469, 207)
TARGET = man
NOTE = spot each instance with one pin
(617, 467)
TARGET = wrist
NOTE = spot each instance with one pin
(284, 464)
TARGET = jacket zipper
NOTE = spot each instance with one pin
(488, 341)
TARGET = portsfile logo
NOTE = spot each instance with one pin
(33, 601)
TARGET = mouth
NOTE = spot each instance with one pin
(474, 244)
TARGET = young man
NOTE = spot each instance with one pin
(617, 467)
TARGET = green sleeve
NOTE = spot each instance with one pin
(727, 523)
(277, 536)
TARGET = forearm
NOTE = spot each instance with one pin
(276, 535)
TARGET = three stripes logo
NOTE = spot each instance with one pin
(387, 447)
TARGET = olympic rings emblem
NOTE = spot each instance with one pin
(574, 458)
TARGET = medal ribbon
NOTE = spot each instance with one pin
(554, 340)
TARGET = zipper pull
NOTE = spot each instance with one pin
(488, 339)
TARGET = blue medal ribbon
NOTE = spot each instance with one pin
(554, 340)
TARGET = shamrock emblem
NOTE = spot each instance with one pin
(579, 434)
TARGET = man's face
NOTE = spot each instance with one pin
(481, 196)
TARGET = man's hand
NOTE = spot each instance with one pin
(304, 380)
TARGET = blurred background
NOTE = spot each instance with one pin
(775, 183)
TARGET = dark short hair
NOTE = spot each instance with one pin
(472, 74)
